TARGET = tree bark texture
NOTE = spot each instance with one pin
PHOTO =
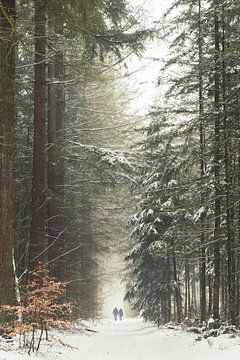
(7, 95)
(56, 173)
(202, 265)
(177, 290)
(228, 187)
(37, 240)
(217, 158)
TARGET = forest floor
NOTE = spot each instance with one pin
(127, 340)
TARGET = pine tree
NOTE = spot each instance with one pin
(202, 100)
(157, 227)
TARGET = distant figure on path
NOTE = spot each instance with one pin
(120, 313)
(115, 313)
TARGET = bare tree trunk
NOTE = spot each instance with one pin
(189, 294)
(223, 298)
(187, 305)
(37, 240)
(194, 295)
(56, 171)
(177, 290)
(238, 217)
(7, 94)
(202, 264)
(228, 189)
(209, 295)
(169, 300)
(186, 280)
(217, 212)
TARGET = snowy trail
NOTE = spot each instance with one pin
(132, 340)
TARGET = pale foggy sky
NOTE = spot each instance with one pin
(153, 9)
(143, 82)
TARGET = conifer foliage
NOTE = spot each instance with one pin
(186, 257)
(52, 53)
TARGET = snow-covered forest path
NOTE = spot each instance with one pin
(130, 340)
(134, 340)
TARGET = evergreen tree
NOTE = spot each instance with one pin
(200, 100)
(158, 226)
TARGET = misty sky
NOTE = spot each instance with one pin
(147, 67)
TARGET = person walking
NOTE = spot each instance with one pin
(115, 313)
(120, 313)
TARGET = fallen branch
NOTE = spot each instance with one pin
(90, 330)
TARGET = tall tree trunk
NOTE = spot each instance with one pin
(56, 173)
(228, 188)
(194, 290)
(60, 164)
(37, 239)
(210, 295)
(177, 289)
(169, 300)
(223, 294)
(238, 222)
(186, 280)
(7, 94)
(217, 134)
(187, 305)
(202, 170)
(189, 294)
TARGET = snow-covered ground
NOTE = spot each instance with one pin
(130, 340)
